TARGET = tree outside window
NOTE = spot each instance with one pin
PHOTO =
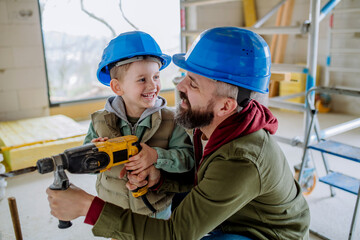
(75, 33)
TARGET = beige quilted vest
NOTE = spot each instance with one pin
(108, 185)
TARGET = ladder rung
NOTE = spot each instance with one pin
(206, 2)
(342, 181)
(283, 67)
(345, 50)
(262, 30)
(278, 30)
(338, 149)
(343, 69)
(346, 10)
(348, 30)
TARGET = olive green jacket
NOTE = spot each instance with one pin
(244, 187)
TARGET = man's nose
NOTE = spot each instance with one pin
(181, 85)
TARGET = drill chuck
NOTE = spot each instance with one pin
(45, 165)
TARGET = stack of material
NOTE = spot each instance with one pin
(23, 142)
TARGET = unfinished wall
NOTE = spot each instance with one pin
(23, 90)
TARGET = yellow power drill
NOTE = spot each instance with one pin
(89, 158)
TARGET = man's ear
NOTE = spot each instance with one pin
(228, 107)
(116, 87)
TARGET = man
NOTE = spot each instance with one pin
(243, 186)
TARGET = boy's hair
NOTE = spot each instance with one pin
(118, 69)
(228, 90)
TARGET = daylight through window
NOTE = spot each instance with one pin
(75, 32)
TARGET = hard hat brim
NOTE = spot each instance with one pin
(105, 78)
(180, 61)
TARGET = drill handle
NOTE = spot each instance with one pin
(61, 182)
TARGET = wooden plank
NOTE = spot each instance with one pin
(274, 82)
(286, 76)
(249, 12)
(282, 39)
(275, 36)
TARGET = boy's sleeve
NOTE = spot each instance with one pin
(179, 156)
(91, 134)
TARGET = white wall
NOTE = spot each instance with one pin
(23, 91)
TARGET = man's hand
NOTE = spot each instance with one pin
(141, 161)
(150, 176)
(69, 204)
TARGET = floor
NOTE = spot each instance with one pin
(329, 216)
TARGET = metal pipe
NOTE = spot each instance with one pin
(340, 128)
(327, 8)
(278, 98)
(284, 67)
(278, 30)
(312, 53)
(286, 105)
(354, 218)
(347, 10)
(342, 69)
(295, 142)
(264, 31)
(260, 22)
(201, 3)
(346, 30)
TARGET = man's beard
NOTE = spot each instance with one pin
(189, 118)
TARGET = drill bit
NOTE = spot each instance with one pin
(18, 172)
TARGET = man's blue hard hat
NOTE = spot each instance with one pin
(128, 45)
(229, 54)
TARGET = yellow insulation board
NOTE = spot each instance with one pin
(23, 142)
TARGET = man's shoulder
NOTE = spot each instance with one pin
(251, 146)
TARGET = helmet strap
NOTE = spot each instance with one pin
(243, 97)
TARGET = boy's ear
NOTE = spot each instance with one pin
(116, 87)
(228, 106)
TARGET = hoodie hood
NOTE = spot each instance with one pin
(251, 119)
(116, 105)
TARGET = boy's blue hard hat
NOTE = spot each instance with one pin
(128, 45)
(229, 54)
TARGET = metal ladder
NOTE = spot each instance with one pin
(319, 142)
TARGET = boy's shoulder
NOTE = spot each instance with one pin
(101, 115)
(168, 113)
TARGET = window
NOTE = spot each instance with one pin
(75, 33)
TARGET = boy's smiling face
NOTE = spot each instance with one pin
(139, 86)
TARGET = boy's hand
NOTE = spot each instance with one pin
(141, 161)
(100, 139)
(150, 176)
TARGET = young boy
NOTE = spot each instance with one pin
(131, 65)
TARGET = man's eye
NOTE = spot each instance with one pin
(192, 85)
(141, 80)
